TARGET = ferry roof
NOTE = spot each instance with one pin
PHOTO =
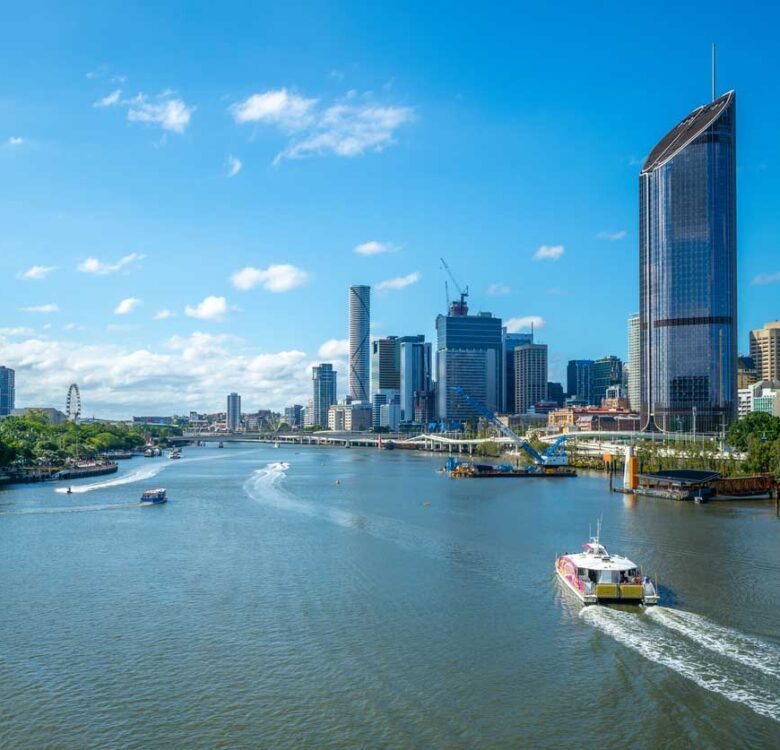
(687, 131)
(610, 562)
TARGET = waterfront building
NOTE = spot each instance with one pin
(579, 380)
(530, 376)
(352, 417)
(765, 351)
(415, 373)
(468, 355)
(688, 292)
(390, 416)
(424, 407)
(763, 396)
(233, 412)
(607, 371)
(385, 364)
(383, 398)
(634, 360)
(152, 421)
(7, 390)
(510, 342)
(293, 415)
(359, 343)
(323, 393)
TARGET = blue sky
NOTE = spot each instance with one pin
(476, 133)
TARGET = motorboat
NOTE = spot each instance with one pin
(154, 497)
(596, 577)
(175, 453)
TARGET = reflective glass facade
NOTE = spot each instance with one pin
(688, 298)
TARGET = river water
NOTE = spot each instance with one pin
(267, 605)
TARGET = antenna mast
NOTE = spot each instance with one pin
(713, 71)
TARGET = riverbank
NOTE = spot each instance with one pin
(57, 473)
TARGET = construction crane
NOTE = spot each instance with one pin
(555, 455)
(457, 308)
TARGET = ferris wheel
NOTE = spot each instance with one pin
(73, 404)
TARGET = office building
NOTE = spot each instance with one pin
(352, 417)
(511, 342)
(579, 380)
(468, 355)
(293, 415)
(359, 343)
(607, 371)
(765, 351)
(688, 261)
(530, 376)
(323, 393)
(634, 360)
(233, 412)
(555, 393)
(763, 396)
(7, 391)
(415, 374)
(747, 374)
(424, 407)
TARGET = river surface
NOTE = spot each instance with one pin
(267, 605)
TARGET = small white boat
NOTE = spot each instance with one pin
(597, 577)
(175, 453)
(276, 445)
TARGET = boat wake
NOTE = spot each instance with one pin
(134, 476)
(716, 658)
(75, 509)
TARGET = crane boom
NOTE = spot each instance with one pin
(460, 308)
(555, 455)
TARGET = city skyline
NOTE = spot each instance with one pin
(100, 284)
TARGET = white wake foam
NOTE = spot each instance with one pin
(147, 472)
(745, 649)
(685, 658)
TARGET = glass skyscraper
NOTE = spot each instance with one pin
(7, 391)
(688, 295)
(359, 343)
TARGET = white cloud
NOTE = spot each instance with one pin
(169, 113)
(399, 282)
(548, 252)
(17, 331)
(109, 100)
(166, 110)
(15, 141)
(102, 268)
(514, 325)
(288, 111)
(49, 308)
(233, 166)
(498, 290)
(163, 314)
(36, 273)
(127, 305)
(276, 278)
(344, 128)
(766, 278)
(613, 236)
(211, 308)
(374, 247)
(334, 349)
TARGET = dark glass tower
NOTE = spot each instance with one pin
(688, 293)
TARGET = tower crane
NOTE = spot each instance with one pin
(458, 308)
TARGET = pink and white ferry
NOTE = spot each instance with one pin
(596, 577)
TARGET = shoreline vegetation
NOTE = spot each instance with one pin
(32, 449)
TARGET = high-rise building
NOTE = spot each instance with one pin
(607, 371)
(415, 374)
(687, 261)
(7, 391)
(511, 342)
(468, 354)
(323, 393)
(555, 393)
(530, 376)
(359, 343)
(634, 358)
(579, 380)
(293, 415)
(233, 412)
(765, 350)
(747, 373)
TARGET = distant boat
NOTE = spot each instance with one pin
(148, 453)
(175, 453)
(276, 444)
(154, 497)
(221, 444)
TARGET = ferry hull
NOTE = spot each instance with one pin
(606, 593)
